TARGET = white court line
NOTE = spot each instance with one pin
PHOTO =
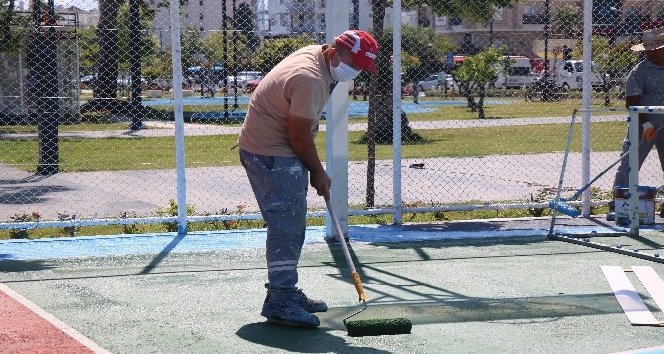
(53, 320)
(652, 282)
(636, 310)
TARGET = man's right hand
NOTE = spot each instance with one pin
(649, 133)
(321, 182)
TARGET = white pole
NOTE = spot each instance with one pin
(586, 96)
(336, 113)
(633, 135)
(176, 56)
(396, 110)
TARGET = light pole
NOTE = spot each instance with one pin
(224, 16)
(161, 40)
(546, 39)
(356, 14)
(235, 20)
(44, 71)
(615, 20)
(135, 64)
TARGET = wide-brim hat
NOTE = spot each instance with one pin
(650, 40)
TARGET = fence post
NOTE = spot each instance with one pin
(396, 111)
(176, 56)
(336, 111)
(585, 104)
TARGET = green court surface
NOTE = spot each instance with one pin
(521, 294)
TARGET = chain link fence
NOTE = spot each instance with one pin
(87, 120)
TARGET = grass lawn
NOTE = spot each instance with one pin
(205, 151)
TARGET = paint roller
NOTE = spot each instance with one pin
(370, 327)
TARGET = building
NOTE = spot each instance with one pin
(271, 18)
(201, 15)
(521, 28)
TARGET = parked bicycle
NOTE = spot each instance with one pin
(546, 90)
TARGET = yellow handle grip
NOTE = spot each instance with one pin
(358, 286)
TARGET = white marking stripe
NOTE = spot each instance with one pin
(278, 263)
(279, 269)
(652, 282)
(637, 312)
(54, 321)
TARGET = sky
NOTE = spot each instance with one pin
(81, 4)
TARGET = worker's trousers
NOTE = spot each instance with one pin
(280, 186)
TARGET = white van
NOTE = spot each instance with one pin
(569, 73)
(520, 73)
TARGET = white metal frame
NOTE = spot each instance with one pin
(633, 197)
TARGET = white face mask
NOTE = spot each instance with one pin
(343, 72)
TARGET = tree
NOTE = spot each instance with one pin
(108, 59)
(243, 22)
(275, 50)
(567, 21)
(476, 73)
(13, 29)
(112, 38)
(480, 11)
(191, 43)
(88, 45)
(149, 47)
(423, 53)
(380, 93)
(611, 61)
(212, 49)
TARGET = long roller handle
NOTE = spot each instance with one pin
(578, 193)
(340, 236)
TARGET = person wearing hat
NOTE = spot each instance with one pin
(644, 87)
(278, 152)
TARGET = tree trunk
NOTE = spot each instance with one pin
(480, 103)
(107, 62)
(607, 97)
(466, 90)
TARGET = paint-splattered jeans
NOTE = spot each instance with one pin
(280, 186)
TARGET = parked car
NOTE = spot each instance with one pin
(436, 81)
(251, 85)
(569, 73)
(158, 84)
(87, 81)
(243, 77)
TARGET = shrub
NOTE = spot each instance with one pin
(22, 233)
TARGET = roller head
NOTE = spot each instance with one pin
(565, 208)
(378, 327)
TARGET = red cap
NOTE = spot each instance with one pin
(362, 46)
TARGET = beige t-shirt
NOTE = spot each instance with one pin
(299, 85)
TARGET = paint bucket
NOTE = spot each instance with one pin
(646, 205)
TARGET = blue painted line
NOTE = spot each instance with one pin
(355, 108)
(98, 246)
(116, 245)
(651, 350)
